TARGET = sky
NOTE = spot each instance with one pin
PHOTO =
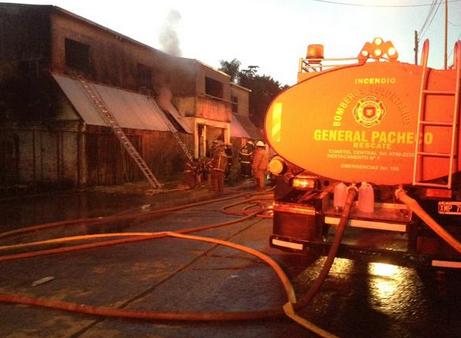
(273, 34)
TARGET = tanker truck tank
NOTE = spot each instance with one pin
(375, 120)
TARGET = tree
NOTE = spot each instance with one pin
(232, 68)
(263, 87)
(263, 90)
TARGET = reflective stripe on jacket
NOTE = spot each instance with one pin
(219, 161)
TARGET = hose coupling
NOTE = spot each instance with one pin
(398, 192)
(353, 187)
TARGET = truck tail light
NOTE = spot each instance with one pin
(304, 182)
(437, 193)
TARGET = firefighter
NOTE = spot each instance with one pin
(211, 148)
(245, 159)
(218, 166)
(207, 164)
(229, 154)
(259, 165)
(193, 174)
(199, 169)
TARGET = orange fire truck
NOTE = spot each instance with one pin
(386, 129)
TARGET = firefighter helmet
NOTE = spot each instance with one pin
(260, 144)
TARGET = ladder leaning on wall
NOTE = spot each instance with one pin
(175, 133)
(110, 120)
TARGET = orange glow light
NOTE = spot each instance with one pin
(378, 49)
(314, 51)
(303, 183)
(276, 166)
(378, 41)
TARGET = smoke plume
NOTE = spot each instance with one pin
(168, 36)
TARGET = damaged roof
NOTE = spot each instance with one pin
(249, 127)
(130, 109)
(237, 129)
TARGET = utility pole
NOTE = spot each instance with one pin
(416, 47)
(446, 36)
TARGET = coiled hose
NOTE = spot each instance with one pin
(289, 309)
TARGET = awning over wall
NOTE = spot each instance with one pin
(237, 130)
(178, 118)
(249, 127)
(165, 103)
(130, 109)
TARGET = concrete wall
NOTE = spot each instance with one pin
(213, 109)
(114, 58)
(68, 158)
(44, 156)
(49, 144)
(186, 105)
(203, 72)
(24, 32)
(243, 96)
(108, 162)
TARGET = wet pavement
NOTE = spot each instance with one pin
(358, 299)
(19, 211)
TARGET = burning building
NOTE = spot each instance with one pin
(51, 130)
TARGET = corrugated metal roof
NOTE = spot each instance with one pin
(237, 129)
(249, 127)
(179, 118)
(131, 110)
(164, 103)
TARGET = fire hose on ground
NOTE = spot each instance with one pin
(289, 309)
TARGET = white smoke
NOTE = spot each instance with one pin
(168, 36)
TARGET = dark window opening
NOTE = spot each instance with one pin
(78, 56)
(235, 104)
(144, 76)
(213, 87)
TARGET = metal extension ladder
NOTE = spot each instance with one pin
(422, 122)
(110, 120)
(175, 133)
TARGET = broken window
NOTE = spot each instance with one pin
(213, 87)
(235, 104)
(144, 76)
(78, 56)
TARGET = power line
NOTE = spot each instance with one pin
(428, 17)
(368, 5)
(432, 16)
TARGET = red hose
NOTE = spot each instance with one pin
(184, 316)
(288, 309)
